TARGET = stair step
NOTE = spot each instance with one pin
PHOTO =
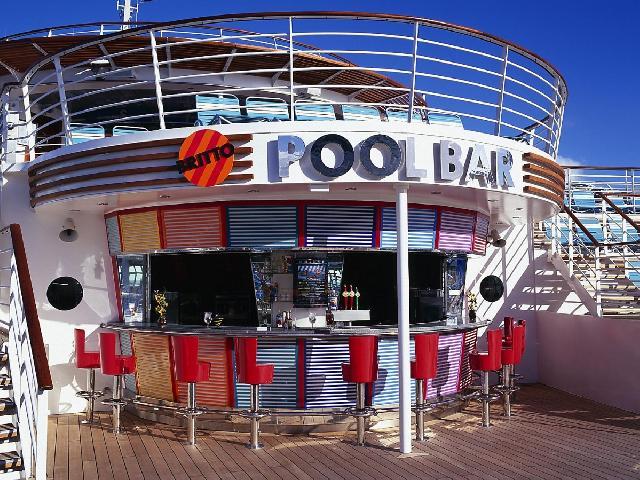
(6, 406)
(4, 357)
(8, 432)
(5, 380)
(621, 311)
(10, 461)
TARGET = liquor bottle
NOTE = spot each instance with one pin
(345, 299)
(329, 316)
(352, 294)
(357, 295)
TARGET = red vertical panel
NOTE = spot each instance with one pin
(377, 227)
(301, 226)
(301, 372)
(230, 373)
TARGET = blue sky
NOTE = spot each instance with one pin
(593, 44)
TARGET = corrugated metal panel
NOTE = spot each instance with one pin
(323, 374)
(192, 227)
(125, 349)
(470, 338)
(385, 390)
(212, 393)
(268, 226)
(113, 235)
(153, 365)
(456, 230)
(422, 226)
(283, 392)
(480, 237)
(449, 357)
(140, 232)
(338, 226)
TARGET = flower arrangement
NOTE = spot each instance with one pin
(472, 304)
(161, 306)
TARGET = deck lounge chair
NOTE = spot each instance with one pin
(308, 111)
(267, 108)
(360, 113)
(81, 132)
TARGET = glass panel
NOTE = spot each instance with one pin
(132, 272)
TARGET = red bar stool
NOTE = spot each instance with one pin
(486, 362)
(89, 361)
(509, 357)
(117, 366)
(423, 368)
(508, 329)
(515, 376)
(361, 370)
(248, 371)
(188, 369)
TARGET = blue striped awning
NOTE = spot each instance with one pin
(422, 228)
(272, 226)
(339, 226)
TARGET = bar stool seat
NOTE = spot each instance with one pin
(188, 369)
(89, 361)
(423, 368)
(486, 362)
(362, 369)
(117, 366)
(248, 371)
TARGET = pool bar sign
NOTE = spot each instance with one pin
(451, 162)
(205, 158)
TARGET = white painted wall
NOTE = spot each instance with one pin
(87, 260)
(592, 357)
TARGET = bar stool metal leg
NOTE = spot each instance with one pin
(117, 405)
(485, 398)
(90, 395)
(506, 392)
(191, 417)
(419, 410)
(254, 443)
(360, 407)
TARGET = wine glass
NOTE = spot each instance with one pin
(208, 318)
(312, 318)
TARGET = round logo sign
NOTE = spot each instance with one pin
(205, 158)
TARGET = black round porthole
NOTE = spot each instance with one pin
(491, 288)
(64, 293)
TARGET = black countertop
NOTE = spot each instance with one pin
(382, 330)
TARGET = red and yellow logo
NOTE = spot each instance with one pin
(205, 158)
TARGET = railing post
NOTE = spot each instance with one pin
(598, 273)
(30, 131)
(625, 248)
(62, 96)
(412, 99)
(552, 120)
(156, 79)
(292, 114)
(571, 248)
(554, 234)
(605, 222)
(503, 81)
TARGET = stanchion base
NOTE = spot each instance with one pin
(260, 446)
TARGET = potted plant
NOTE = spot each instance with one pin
(161, 307)
(472, 305)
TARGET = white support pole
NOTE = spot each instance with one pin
(402, 246)
(412, 99)
(62, 96)
(156, 78)
(292, 114)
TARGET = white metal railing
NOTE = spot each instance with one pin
(149, 77)
(584, 183)
(31, 400)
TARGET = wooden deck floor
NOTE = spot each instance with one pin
(553, 435)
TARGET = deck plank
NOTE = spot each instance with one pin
(553, 435)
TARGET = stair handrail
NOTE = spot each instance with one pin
(40, 360)
(580, 225)
(605, 196)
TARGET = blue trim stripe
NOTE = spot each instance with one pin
(422, 227)
(263, 227)
(339, 226)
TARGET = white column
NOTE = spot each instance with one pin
(402, 227)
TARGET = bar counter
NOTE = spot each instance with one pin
(307, 364)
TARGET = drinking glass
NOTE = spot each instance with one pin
(312, 318)
(208, 318)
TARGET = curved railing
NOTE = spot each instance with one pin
(292, 66)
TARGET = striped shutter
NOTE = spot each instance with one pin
(323, 374)
(339, 226)
(480, 236)
(448, 375)
(455, 230)
(214, 392)
(126, 348)
(470, 338)
(153, 365)
(192, 227)
(140, 232)
(113, 235)
(422, 226)
(269, 226)
(283, 392)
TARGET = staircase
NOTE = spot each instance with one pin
(11, 464)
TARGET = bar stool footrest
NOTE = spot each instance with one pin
(86, 394)
(365, 412)
(489, 398)
(113, 402)
(258, 414)
(191, 412)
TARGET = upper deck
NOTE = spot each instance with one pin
(71, 85)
